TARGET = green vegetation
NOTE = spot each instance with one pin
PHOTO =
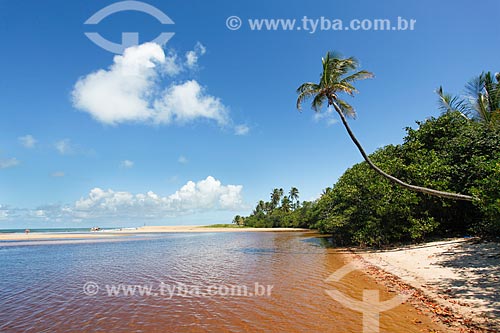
(224, 225)
(285, 211)
(458, 152)
(449, 153)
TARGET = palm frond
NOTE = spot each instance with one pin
(361, 75)
(307, 86)
(339, 66)
(318, 102)
(484, 96)
(475, 87)
(482, 109)
(337, 77)
(491, 92)
(449, 103)
(345, 87)
(306, 91)
(346, 108)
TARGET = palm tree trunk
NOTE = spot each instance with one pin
(393, 179)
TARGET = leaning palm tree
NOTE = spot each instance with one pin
(337, 78)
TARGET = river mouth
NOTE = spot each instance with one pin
(261, 282)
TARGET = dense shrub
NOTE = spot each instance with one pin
(448, 153)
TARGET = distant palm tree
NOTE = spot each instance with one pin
(337, 78)
(481, 101)
(276, 195)
(268, 207)
(285, 204)
(261, 207)
(239, 220)
(294, 196)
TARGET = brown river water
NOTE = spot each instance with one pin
(67, 286)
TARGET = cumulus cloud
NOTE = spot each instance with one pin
(207, 194)
(133, 89)
(241, 130)
(188, 101)
(28, 141)
(127, 164)
(172, 65)
(8, 163)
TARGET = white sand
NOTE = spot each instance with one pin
(140, 230)
(461, 274)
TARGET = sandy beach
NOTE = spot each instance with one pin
(457, 279)
(139, 230)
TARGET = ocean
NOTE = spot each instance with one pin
(51, 230)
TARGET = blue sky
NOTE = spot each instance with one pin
(62, 165)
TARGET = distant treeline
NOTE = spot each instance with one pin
(450, 153)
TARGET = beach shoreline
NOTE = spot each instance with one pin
(455, 281)
(139, 230)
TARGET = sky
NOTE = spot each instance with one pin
(197, 129)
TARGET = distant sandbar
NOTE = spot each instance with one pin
(140, 230)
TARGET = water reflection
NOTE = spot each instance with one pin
(41, 286)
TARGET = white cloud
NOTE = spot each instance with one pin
(172, 65)
(64, 146)
(241, 130)
(182, 160)
(192, 56)
(207, 194)
(4, 212)
(58, 174)
(8, 163)
(127, 164)
(28, 141)
(186, 102)
(131, 90)
(327, 117)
